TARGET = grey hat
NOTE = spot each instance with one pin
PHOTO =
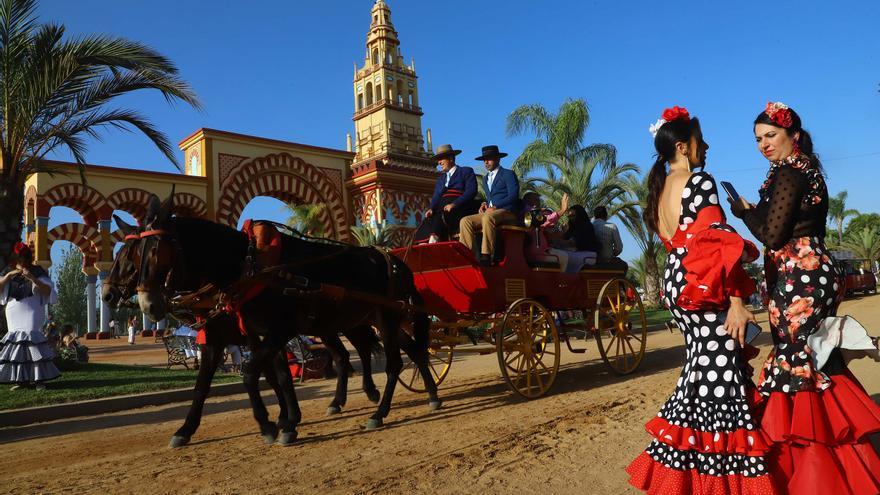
(445, 150)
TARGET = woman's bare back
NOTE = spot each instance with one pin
(669, 211)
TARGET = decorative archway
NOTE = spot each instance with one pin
(85, 237)
(189, 205)
(86, 201)
(130, 200)
(287, 178)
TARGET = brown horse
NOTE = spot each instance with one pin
(185, 254)
(222, 330)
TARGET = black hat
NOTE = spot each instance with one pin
(445, 150)
(489, 152)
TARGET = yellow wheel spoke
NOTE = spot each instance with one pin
(608, 348)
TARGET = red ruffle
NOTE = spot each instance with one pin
(821, 443)
(714, 271)
(741, 441)
(654, 478)
(841, 414)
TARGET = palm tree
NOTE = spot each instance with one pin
(55, 93)
(864, 244)
(589, 174)
(653, 252)
(383, 235)
(837, 212)
(306, 218)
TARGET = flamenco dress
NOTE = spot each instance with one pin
(816, 413)
(26, 356)
(706, 438)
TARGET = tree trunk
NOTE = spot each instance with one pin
(11, 213)
(652, 285)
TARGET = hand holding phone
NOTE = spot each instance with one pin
(731, 192)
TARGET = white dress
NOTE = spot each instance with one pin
(26, 356)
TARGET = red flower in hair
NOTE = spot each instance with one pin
(21, 249)
(779, 113)
(676, 113)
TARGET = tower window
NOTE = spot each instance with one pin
(360, 102)
(375, 56)
(369, 92)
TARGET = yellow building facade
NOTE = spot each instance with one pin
(384, 177)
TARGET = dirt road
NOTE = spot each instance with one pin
(484, 440)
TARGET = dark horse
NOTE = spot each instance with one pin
(186, 254)
(222, 330)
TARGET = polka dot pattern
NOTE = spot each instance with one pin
(710, 395)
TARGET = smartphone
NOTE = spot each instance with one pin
(728, 188)
(753, 330)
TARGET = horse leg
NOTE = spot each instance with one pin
(418, 353)
(211, 355)
(251, 374)
(342, 363)
(364, 340)
(389, 325)
(272, 380)
(291, 415)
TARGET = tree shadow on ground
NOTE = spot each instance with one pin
(460, 400)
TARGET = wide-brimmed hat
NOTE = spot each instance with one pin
(445, 150)
(489, 152)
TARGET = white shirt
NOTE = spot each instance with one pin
(490, 178)
(449, 174)
(610, 244)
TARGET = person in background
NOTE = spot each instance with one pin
(577, 245)
(610, 244)
(501, 206)
(26, 359)
(453, 198)
(132, 329)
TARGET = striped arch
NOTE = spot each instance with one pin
(130, 200)
(85, 237)
(86, 201)
(189, 205)
(286, 178)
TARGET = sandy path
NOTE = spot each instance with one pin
(484, 440)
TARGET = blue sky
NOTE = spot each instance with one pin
(283, 70)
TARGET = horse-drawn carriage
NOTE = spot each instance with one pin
(515, 310)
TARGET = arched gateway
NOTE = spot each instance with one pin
(388, 181)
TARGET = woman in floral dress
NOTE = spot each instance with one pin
(706, 438)
(816, 412)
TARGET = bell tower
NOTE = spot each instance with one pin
(387, 115)
(392, 173)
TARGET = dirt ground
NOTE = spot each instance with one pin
(484, 440)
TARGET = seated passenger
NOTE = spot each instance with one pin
(610, 244)
(578, 245)
(502, 195)
(538, 241)
(453, 198)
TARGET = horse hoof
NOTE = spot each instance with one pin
(287, 438)
(333, 410)
(373, 424)
(178, 441)
(434, 405)
(269, 438)
(373, 396)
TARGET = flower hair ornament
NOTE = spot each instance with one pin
(779, 113)
(670, 114)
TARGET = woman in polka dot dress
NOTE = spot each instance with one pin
(706, 437)
(818, 417)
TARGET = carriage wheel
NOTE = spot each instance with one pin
(528, 348)
(439, 362)
(621, 328)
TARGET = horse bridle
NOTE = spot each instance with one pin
(148, 248)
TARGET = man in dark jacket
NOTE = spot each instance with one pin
(501, 206)
(453, 198)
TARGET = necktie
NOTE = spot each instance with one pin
(448, 176)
